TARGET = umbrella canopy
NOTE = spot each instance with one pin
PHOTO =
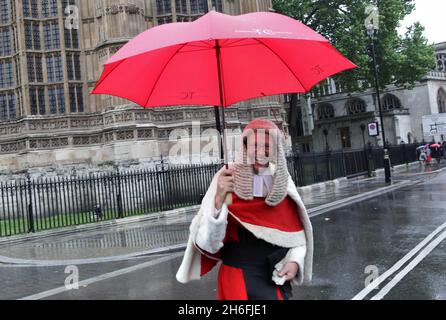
(220, 60)
(435, 145)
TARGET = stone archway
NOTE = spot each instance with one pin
(355, 106)
(391, 102)
(325, 111)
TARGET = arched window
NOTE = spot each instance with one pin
(409, 137)
(391, 102)
(325, 111)
(355, 106)
(441, 62)
(441, 99)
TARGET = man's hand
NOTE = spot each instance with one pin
(289, 270)
(225, 185)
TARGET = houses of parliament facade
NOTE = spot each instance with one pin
(51, 55)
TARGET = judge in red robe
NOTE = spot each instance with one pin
(263, 238)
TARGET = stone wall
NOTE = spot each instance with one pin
(127, 134)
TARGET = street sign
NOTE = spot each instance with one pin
(434, 124)
(373, 129)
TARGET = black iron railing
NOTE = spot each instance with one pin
(310, 168)
(31, 205)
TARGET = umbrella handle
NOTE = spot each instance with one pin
(228, 199)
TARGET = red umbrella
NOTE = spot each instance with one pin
(220, 60)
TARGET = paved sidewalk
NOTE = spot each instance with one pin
(123, 242)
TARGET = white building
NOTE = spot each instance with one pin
(340, 115)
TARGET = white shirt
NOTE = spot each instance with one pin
(262, 183)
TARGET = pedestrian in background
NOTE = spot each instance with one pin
(428, 155)
(435, 152)
(422, 154)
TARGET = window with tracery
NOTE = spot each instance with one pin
(163, 7)
(441, 62)
(391, 102)
(325, 111)
(355, 106)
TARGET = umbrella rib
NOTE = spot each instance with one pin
(242, 45)
(207, 44)
(197, 46)
(227, 45)
(102, 80)
(195, 50)
(162, 71)
(283, 61)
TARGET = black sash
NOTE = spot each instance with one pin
(258, 258)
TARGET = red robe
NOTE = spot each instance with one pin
(238, 278)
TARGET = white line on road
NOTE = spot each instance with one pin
(372, 286)
(17, 262)
(410, 266)
(102, 277)
(338, 204)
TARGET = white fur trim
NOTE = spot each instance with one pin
(212, 231)
(298, 255)
(190, 268)
(279, 238)
(306, 223)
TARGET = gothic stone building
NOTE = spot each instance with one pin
(51, 55)
(341, 114)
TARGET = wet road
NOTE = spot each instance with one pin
(397, 237)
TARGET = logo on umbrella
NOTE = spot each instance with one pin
(187, 95)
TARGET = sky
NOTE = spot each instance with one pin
(432, 15)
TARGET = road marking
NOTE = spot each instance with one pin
(428, 249)
(372, 286)
(341, 203)
(102, 277)
(18, 262)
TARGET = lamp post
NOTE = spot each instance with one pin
(366, 154)
(327, 154)
(371, 32)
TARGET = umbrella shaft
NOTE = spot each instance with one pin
(225, 138)
(222, 102)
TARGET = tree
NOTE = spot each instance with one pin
(402, 60)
